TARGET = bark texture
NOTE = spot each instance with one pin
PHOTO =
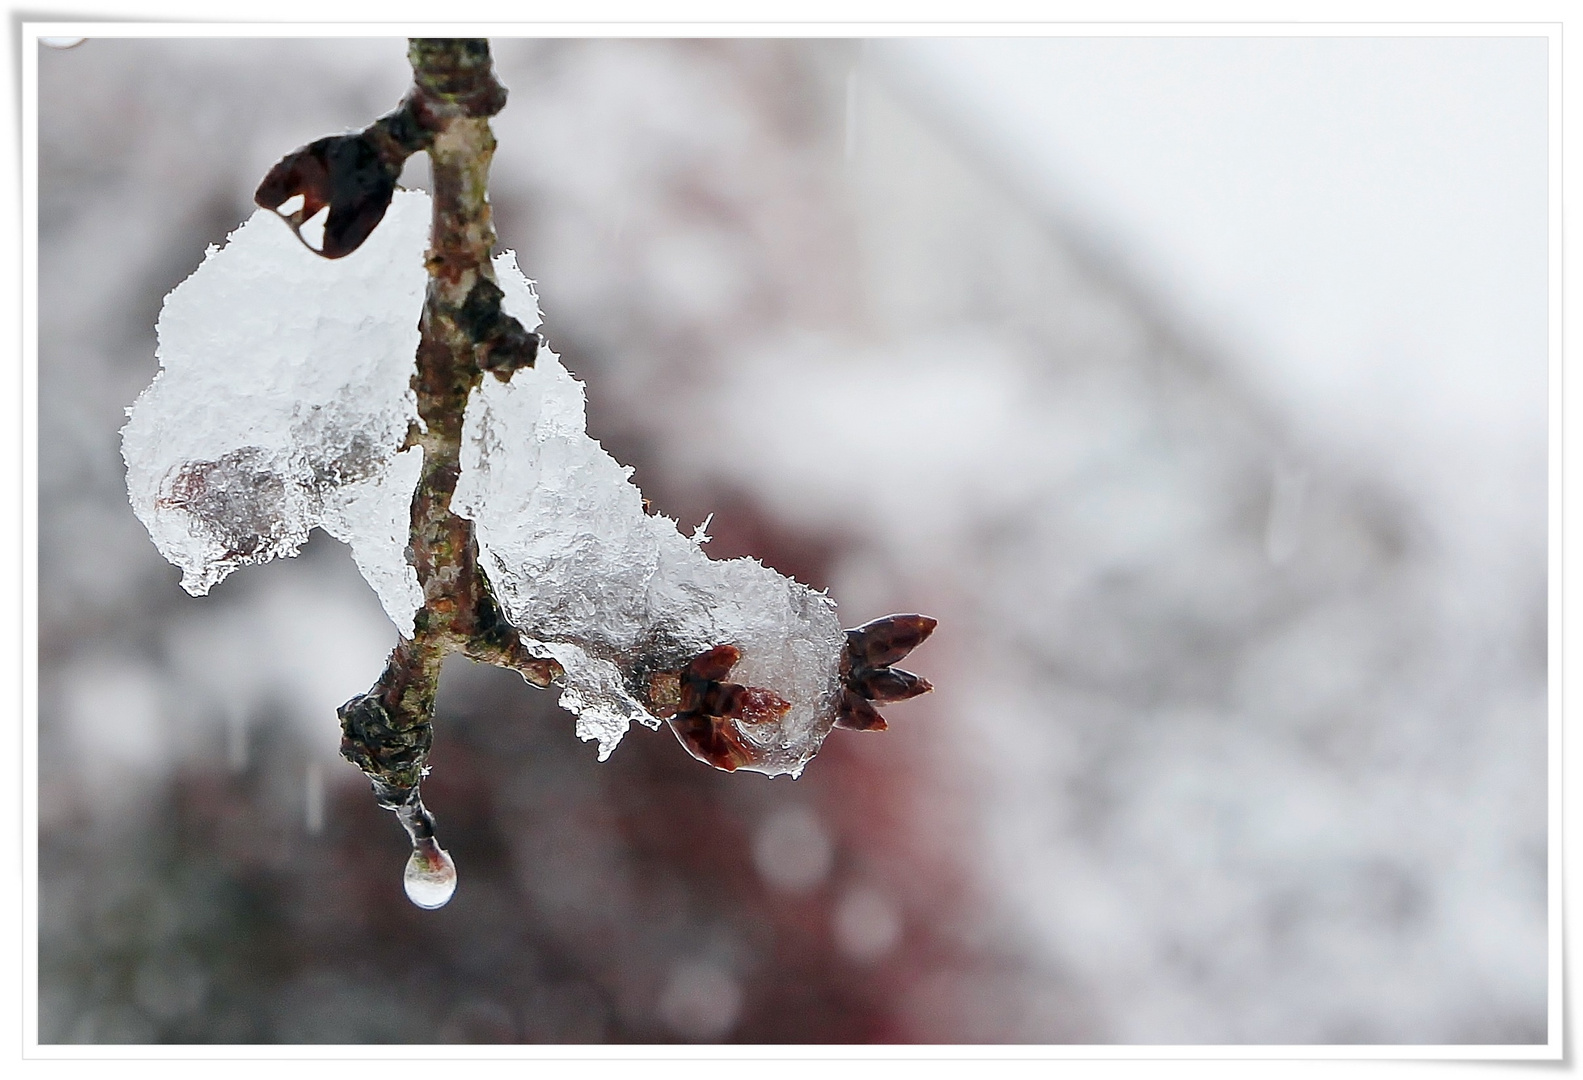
(387, 731)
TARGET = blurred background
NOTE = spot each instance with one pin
(1197, 386)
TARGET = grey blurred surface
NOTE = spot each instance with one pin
(1231, 743)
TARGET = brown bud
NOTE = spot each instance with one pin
(866, 673)
(855, 714)
(884, 641)
(708, 712)
(712, 742)
(714, 665)
(345, 173)
(890, 684)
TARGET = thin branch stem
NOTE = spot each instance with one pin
(387, 732)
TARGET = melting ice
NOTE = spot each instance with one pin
(281, 405)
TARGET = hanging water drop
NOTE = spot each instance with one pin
(430, 877)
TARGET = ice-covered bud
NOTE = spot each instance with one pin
(619, 597)
(285, 403)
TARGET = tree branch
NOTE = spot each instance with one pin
(387, 731)
(464, 334)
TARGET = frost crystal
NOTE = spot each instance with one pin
(283, 402)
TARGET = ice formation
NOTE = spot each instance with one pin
(282, 404)
(614, 593)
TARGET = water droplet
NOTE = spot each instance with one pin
(430, 878)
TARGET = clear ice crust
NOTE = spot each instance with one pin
(281, 404)
(283, 400)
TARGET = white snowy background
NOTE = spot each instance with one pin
(1198, 386)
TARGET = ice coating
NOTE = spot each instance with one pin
(612, 592)
(283, 399)
(282, 402)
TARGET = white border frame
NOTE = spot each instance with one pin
(1561, 395)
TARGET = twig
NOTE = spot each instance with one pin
(387, 732)
(464, 334)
